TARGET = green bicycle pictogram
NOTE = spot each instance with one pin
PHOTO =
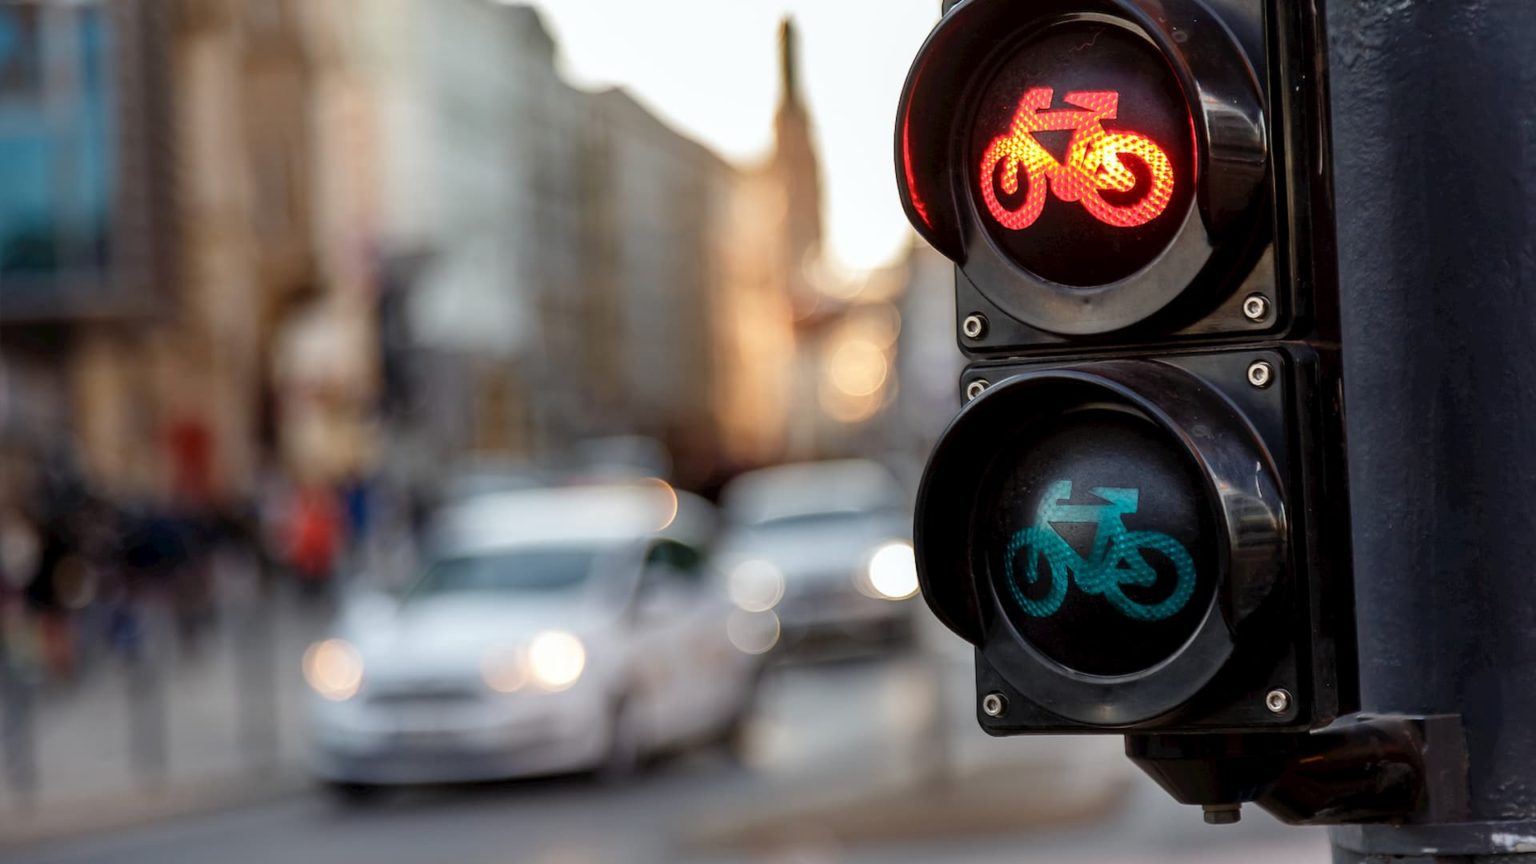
(1115, 560)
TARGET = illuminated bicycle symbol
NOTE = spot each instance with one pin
(1117, 558)
(1099, 163)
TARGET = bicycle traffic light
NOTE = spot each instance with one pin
(1139, 518)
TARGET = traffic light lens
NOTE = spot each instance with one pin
(1083, 152)
(1101, 550)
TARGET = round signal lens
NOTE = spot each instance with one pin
(1082, 155)
(1102, 547)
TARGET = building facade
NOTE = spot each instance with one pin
(312, 238)
(568, 266)
(207, 142)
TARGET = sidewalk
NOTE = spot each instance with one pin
(126, 745)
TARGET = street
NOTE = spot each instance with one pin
(807, 746)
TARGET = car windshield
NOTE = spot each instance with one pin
(551, 570)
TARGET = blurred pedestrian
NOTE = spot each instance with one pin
(54, 576)
(313, 536)
(19, 547)
(19, 550)
(359, 508)
(154, 553)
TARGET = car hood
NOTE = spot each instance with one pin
(453, 634)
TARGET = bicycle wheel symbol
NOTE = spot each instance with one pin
(1118, 557)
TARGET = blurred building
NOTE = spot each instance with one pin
(928, 360)
(843, 377)
(247, 236)
(188, 266)
(482, 218)
(785, 195)
(266, 350)
(87, 239)
(657, 203)
(562, 265)
(796, 170)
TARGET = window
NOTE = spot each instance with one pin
(669, 560)
(56, 140)
(552, 570)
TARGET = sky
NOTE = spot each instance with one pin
(710, 69)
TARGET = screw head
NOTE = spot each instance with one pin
(1278, 701)
(1255, 307)
(1260, 374)
(974, 326)
(975, 388)
(994, 705)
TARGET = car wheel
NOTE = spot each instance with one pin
(623, 760)
(353, 794)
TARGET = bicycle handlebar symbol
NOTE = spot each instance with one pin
(1116, 559)
(1098, 163)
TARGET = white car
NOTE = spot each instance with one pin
(825, 546)
(550, 631)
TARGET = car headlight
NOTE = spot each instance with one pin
(755, 585)
(892, 571)
(504, 670)
(556, 659)
(334, 669)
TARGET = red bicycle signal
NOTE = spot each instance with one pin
(1124, 179)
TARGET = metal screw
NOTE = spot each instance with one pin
(1260, 374)
(994, 705)
(1255, 307)
(973, 389)
(974, 326)
(1278, 701)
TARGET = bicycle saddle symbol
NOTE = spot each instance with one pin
(1116, 559)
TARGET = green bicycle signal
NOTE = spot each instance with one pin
(1115, 560)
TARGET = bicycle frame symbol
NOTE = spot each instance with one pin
(1116, 559)
(1098, 163)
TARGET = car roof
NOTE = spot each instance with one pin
(839, 485)
(574, 515)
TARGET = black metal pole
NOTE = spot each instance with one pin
(1434, 128)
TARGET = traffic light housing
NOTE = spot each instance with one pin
(1140, 517)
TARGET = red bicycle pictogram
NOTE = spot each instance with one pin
(1122, 178)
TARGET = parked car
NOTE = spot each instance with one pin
(550, 631)
(826, 546)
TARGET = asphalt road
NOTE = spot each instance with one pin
(807, 741)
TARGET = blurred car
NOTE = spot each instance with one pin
(474, 477)
(825, 546)
(550, 631)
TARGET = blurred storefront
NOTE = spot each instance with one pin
(86, 238)
(186, 180)
(274, 337)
